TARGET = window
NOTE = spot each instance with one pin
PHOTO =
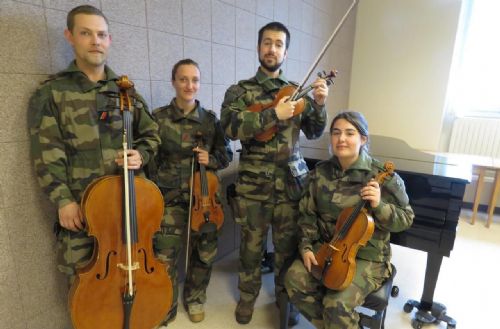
(474, 89)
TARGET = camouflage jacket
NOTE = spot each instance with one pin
(275, 170)
(177, 133)
(331, 190)
(76, 131)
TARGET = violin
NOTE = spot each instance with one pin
(123, 286)
(355, 226)
(295, 95)
(206, 212)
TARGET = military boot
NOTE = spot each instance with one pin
(293, 315)
(196, 312)
(244, 311)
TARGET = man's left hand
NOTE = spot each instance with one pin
(320, 91)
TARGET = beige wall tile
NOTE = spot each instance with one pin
(245, 62)
(58, 318)
(12, 314)
(295, 44)
(281, 11)
(18, 183)
(131, 12)
(245, 30)
(165, 15)
(61, 52)
(218, 92)
(248, 5)
(162, 92)
(223, 23)
(67, 5)
(205, 95)
(129, 52)
(24, 31)
(15, 92)
(223, 57)
(265, 8)
(144, 88)
(196, 19)
(165, 50)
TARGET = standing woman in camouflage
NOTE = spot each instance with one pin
(179, 123)
(271, 174)
(336, 184)
(76, 130)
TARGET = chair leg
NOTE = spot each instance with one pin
(382, 324)
(284, 310)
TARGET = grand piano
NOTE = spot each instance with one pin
(435, 185)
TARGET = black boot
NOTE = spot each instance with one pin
(293, 316)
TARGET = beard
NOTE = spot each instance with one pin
(270, 68)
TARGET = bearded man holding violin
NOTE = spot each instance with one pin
(272, 171)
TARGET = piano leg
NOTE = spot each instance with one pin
(428, 310)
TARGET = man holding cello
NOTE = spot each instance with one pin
(272, 171)
(76, 132)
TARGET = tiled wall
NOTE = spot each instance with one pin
(148, 37)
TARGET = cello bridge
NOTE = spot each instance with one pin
(124, 267)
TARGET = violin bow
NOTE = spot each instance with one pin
(325, 47)
(189, 218)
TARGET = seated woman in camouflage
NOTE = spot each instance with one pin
(338, 183)
(179, 122)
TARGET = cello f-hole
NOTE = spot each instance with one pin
(147, 268)
(100, 276)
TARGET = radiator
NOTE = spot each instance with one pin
(476, 136)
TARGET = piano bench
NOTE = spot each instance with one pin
(376, 301)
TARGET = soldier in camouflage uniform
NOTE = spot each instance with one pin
(336, 184)
(179, 123)
(271, 173)
(76, 132)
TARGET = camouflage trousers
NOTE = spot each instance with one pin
(255, 218)
(203, 249)
(331, 309)
(74, 250)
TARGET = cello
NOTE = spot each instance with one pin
(123, 286)
(337, 258)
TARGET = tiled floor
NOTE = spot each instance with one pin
(468, 284)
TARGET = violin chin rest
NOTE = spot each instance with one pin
(208, 228)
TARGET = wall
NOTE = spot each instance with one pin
(401, 65)
(148, 37)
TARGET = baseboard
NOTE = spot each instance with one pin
(481, 208)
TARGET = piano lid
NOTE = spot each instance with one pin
(404, 157)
